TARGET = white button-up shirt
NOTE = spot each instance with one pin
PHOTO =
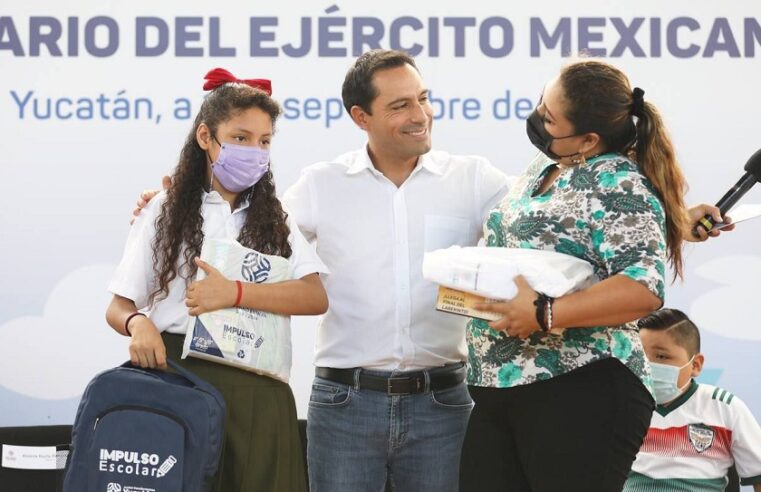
(372, 234)
(135, 278)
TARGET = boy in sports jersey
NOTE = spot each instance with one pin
(698, 431)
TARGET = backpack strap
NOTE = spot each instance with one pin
(195, 380)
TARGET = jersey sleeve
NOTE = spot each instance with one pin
(746, 444)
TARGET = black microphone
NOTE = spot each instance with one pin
(751, 177)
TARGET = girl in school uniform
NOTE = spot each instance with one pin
(222, 188)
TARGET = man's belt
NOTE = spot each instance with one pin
(409, 383)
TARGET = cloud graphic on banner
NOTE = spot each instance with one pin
(55, 355)
(727, 310)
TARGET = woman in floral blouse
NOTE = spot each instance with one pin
(562, 386)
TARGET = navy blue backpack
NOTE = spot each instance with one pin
(146, 430)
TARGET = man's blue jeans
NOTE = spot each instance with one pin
(358, 439)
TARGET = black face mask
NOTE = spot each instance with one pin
(541, 138)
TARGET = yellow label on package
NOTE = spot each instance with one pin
(462, 303)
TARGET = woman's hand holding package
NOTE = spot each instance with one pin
(212, 293)
(146, 348)
(519, 313)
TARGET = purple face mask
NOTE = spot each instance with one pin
(239, 167)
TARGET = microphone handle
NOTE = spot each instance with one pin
(729, 199)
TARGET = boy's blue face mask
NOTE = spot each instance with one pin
(665, 381)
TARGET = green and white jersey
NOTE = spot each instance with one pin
(694, 440)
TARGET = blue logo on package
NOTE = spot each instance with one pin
(202, 340)
(256, 268)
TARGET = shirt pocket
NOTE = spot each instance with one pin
(443, 231)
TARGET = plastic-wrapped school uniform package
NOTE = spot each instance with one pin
(475, 274)
(252, 340)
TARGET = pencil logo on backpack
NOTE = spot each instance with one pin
(166, 466)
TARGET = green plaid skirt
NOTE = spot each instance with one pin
(262, 449)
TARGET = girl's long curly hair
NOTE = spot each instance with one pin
(179, 233)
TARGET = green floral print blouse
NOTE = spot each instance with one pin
(605, 212)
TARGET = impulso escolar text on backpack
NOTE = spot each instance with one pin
(140, 430)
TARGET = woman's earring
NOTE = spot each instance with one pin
(578, 159)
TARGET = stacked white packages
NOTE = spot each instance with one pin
(489, 272)
(251, 340)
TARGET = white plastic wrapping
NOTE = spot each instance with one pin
(251, 340)
(489, 272)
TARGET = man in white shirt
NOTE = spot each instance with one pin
(389, 402)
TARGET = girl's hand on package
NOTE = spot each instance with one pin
(212, 293)
(519, 313)
(146, 348)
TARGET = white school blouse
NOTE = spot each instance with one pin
(135, 278)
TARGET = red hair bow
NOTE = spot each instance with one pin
(220, 76)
